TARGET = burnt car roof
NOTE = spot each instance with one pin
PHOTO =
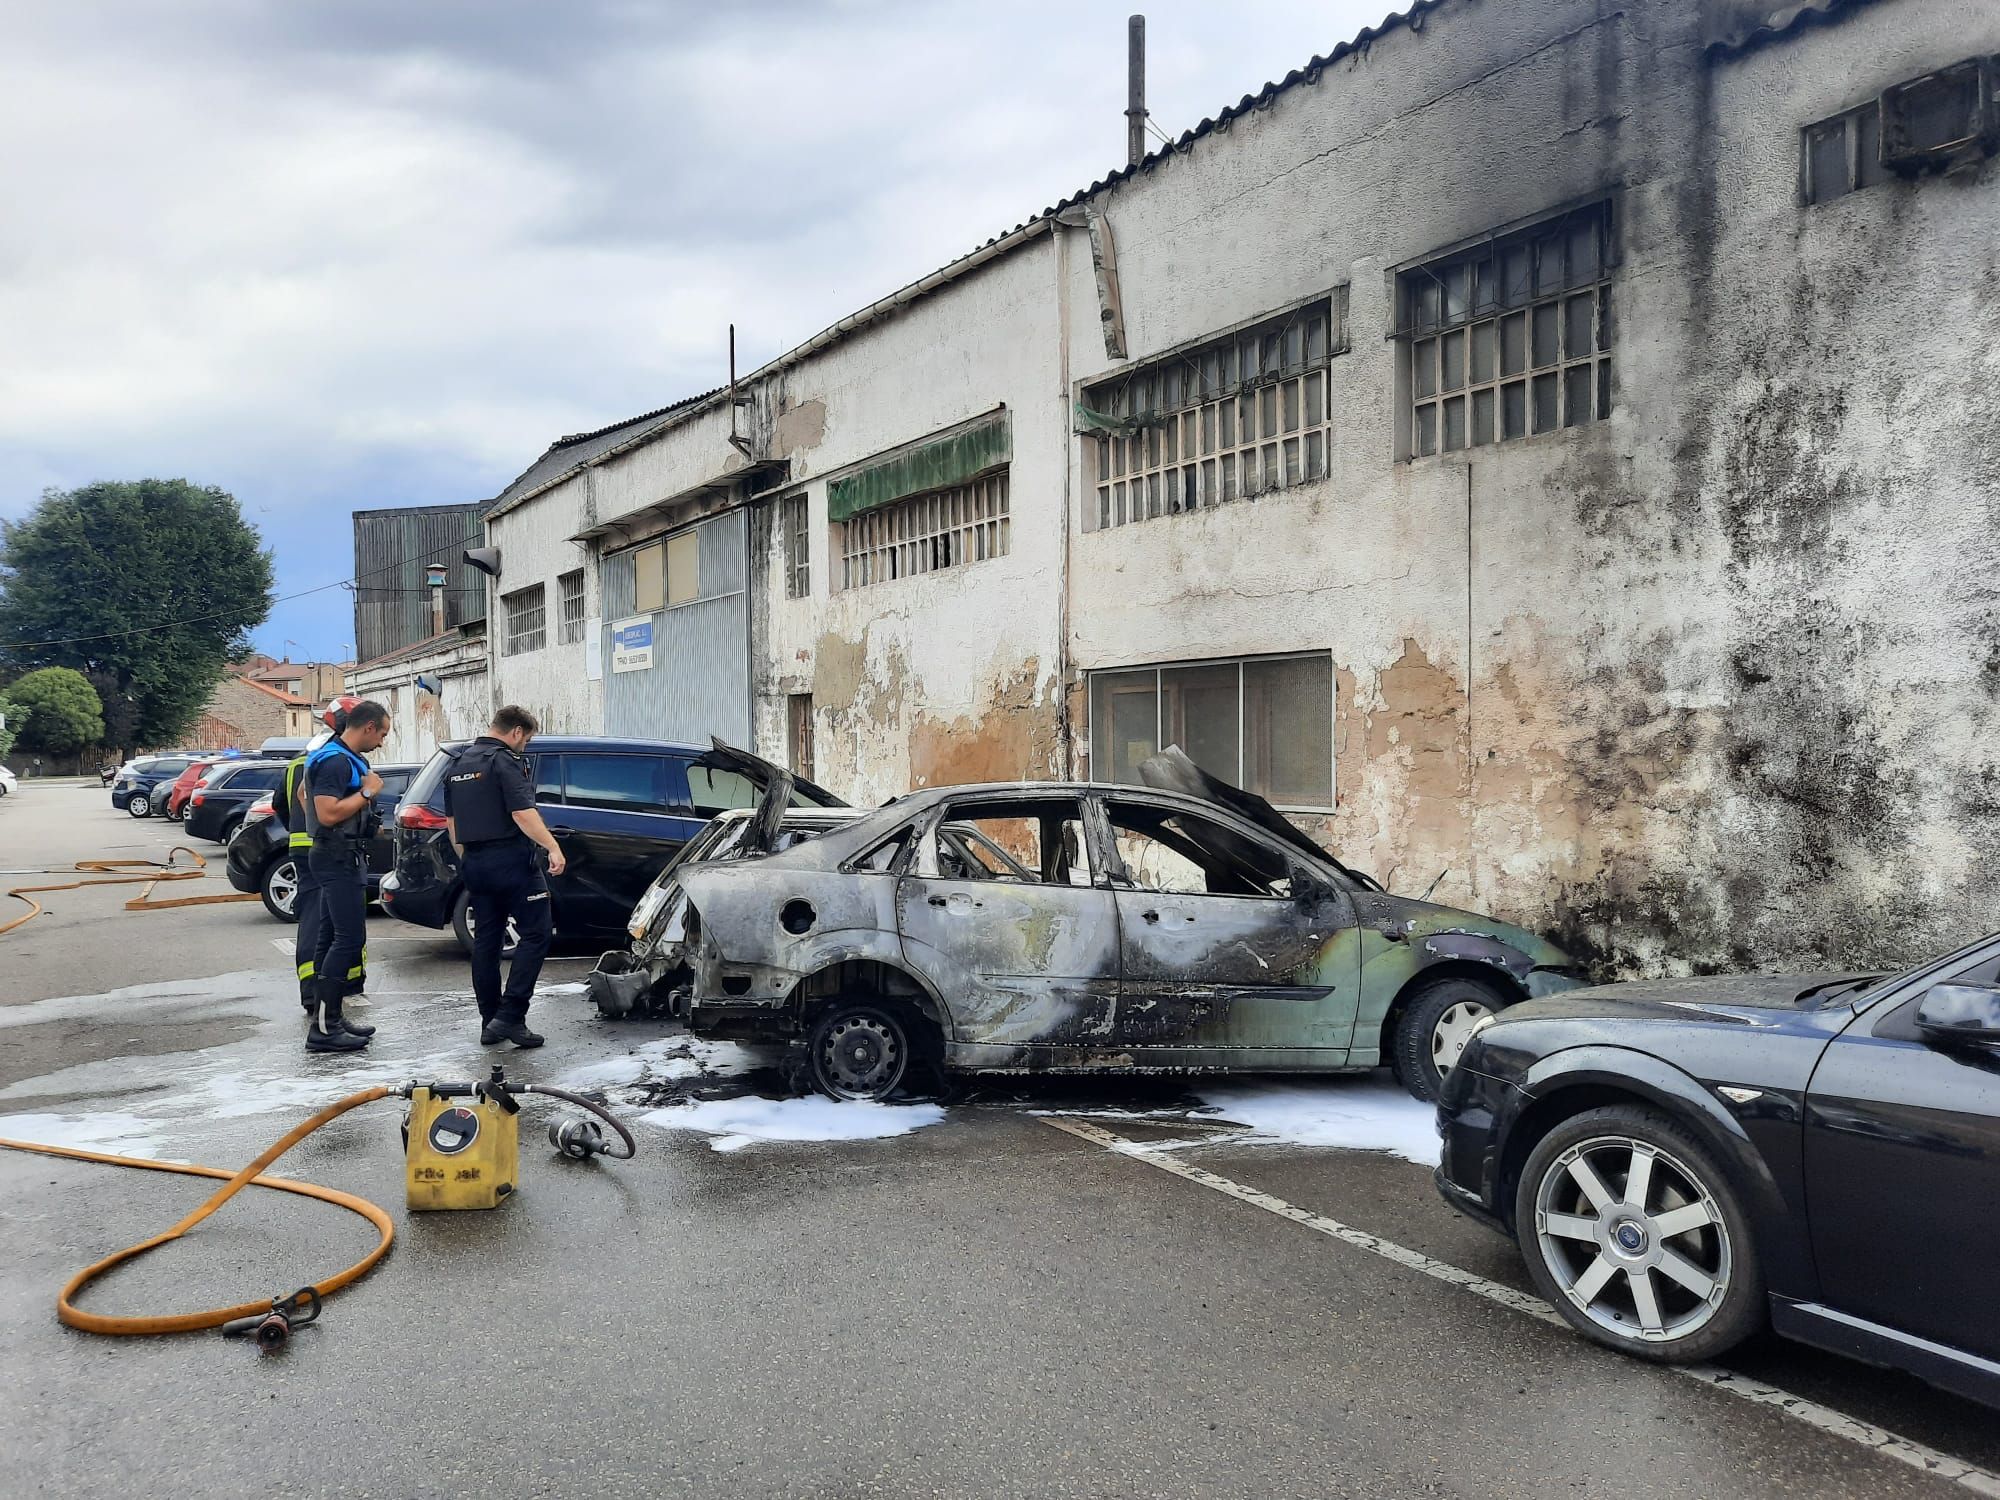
(841, 844)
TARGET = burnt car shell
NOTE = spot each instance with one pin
(1083, 968)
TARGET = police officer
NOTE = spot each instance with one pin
(288, 811)
(489, 802)
(340, 811)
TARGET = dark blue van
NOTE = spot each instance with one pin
(620, 809)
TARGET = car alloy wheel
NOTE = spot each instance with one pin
(466, 926)
(281, 889)
(858, 1052)
(140, 806)
(1633, 1238)
(1453, 1030)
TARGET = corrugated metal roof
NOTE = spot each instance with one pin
(1782, 23)
(568, 455)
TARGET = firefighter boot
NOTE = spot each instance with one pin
(328, 1032)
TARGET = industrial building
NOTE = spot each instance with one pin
(1547, 448)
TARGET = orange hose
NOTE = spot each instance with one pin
(153, 872)
(75, 1317)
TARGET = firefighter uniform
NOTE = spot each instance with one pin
(338, 861)
(307, 907)
(504, 879)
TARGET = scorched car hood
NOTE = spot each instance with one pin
(1737, 995)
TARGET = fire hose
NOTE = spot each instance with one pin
(270, 1319)
(147, 872)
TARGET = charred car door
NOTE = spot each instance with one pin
(998, 910)
(1231, 946)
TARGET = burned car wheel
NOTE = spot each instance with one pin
(858, 1051)
(1631, 1230)
(1433, 1029)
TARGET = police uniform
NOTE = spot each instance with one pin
(339, 864)
(504, 876)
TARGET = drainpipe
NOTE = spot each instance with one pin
(1065, 730)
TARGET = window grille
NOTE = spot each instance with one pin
(526, 620)
(569, 587)
(1511, 338)
(798, 547)
(1235, 417)
(1263, 723)
(926, 533)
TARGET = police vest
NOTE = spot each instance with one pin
(473, 796)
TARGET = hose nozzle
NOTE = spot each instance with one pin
(577, 1138)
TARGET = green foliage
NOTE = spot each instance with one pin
(148, 587)
(63, 712)
(15, 715)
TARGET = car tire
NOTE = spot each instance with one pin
(461, 926)
(140, 806)
(280, 888)
(228, 831)
(1686, 1238)
(859, 1049)
(1432, 1029)
(176, 814)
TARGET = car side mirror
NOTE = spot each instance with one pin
(1960, 1014)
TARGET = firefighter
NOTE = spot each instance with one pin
(339, 805)
(507, 854)
(287, 810)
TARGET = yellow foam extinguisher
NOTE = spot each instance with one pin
(462, 1144)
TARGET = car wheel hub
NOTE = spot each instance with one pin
(285, 886)
(1453, 1030)
(863, 1055)
(1634, 1239)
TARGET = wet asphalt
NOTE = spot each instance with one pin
(984, 1307)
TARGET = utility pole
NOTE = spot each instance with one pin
(1135, 90)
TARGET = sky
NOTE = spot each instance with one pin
(333, 255)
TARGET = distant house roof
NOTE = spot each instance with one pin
(292, 700)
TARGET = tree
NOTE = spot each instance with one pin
(63, 712)
(121, 716)
(148, 586)
(12, 716)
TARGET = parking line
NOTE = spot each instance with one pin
(1825, 1418)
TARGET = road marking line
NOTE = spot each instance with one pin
(1825, 1418)
(283, 945)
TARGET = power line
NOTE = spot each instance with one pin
(115, 635)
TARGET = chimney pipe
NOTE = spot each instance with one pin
(1135, 90)
(434, 577)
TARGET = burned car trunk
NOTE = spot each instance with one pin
(1026, 927)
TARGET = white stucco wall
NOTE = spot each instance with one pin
(535, 548)
(1711, 683)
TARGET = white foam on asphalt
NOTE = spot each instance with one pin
(1353, 1114)
(108, 1131)
(736, 1123)
(560, 989)
(663, 1060)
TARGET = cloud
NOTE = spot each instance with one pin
(344, 253)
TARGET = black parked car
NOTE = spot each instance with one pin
(619, 809)
(1680, 1160)
(216, 806)
(260, 855)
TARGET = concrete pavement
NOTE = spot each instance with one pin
(983, 1306)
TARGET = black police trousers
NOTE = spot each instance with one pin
(504, 882)
(341, 869)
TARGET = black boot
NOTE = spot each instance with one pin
(507, 1026)
(348, 1022)
(328, 1032)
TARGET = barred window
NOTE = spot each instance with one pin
(526, 620)
(569, 625)
(798, 547)
(1235, 417)
(1510, 338)
(944, 529)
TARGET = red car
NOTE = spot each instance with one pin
(175, 803)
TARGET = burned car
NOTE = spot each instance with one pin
(1053, 927)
